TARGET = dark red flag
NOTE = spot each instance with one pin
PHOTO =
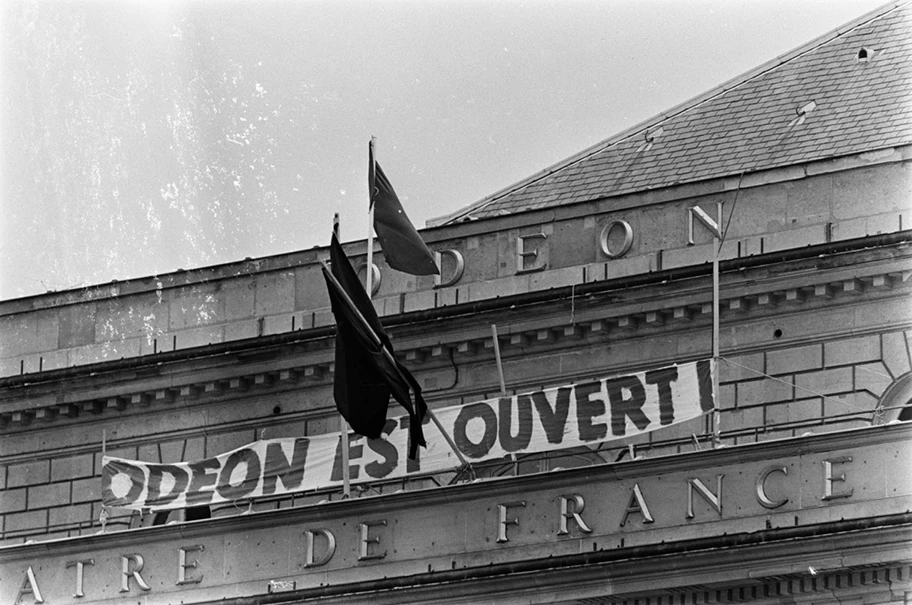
(403, 248)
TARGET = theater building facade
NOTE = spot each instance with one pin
(792, 482)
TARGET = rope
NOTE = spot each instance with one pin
(730, 214)
(864, 369)
(795, 386)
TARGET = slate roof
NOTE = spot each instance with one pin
(751, 123)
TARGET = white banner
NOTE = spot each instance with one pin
(585, 413)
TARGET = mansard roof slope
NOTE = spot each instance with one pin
(844, 93)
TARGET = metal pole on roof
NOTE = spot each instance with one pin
(369, 277)
(717, 413)
(500, 372)
(103, 517)
(343, 425)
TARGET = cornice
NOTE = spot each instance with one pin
(620, 308)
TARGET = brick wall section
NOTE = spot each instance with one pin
(774, 394)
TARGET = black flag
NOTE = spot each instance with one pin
(366, 376)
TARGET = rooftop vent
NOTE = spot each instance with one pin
(803, 112)
(651, 136)
(864, 55)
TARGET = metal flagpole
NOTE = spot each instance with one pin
(343, 425)
(503, 385)
(718, 240)
(369, 270)
(500, 372)
(103, 517)
(389, 356)
(717, 412)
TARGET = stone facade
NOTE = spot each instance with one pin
(814, 339)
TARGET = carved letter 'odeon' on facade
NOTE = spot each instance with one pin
(535, 263)
(714, 226)
(626, 231)
(376, 277)
(458, 269)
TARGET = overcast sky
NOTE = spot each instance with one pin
(143, 137)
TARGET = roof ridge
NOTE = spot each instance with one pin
(674, 111)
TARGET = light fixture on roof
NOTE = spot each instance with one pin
(864, 55)
(803, 112)
(651, 136)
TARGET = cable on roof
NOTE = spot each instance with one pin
(803, 112)
(650, 137)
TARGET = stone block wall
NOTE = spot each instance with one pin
(250, 299)
(59, 495)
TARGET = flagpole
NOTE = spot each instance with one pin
(718, 239)
(717, 413)
(375, 340)
(343, 425)
(369, 277)
(103, 517)
(500, 372)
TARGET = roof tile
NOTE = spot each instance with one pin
(745, 125)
